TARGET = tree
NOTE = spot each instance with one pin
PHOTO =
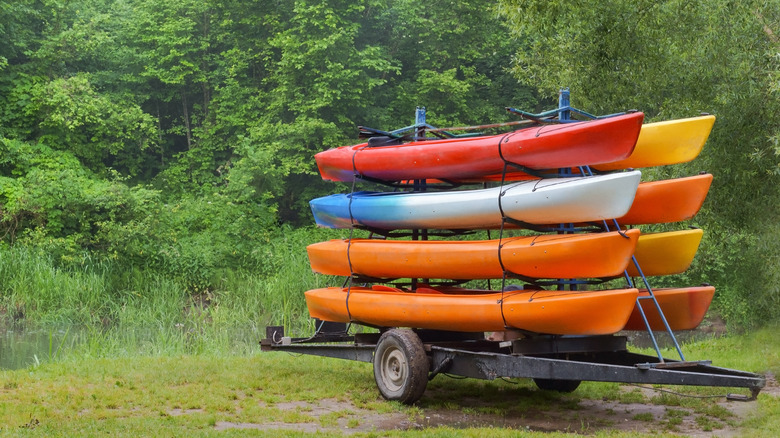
(671, 59)
(453, 58)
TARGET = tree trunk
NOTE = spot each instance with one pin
(186, 119)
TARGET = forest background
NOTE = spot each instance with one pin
(156, 156)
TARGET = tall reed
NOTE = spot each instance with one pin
(116, 309)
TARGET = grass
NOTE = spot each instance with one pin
(195, 394)
(36, 287)
(129, 352)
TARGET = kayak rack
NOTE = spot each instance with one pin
(563, 114)
(404, 360)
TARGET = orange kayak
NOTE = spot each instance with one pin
(666, 201)
(684, 308)
(543, 256)
(550, 312)
(666, 253)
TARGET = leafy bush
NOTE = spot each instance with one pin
(50, 202)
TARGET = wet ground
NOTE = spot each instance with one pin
(585, 416)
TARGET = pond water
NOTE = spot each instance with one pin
(21, 347)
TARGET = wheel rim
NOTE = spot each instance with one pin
(394, 369)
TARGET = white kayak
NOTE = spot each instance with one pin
(540, 202)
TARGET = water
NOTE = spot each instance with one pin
(22, 348)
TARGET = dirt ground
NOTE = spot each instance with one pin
(587, 417)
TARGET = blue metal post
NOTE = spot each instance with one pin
(563, 102)
(419, 116)
(419, 185)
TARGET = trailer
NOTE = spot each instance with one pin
(404, 360)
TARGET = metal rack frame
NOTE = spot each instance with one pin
(554, 362)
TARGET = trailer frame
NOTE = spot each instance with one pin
(554, 362)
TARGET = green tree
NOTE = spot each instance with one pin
(672, 59)
(453, 58)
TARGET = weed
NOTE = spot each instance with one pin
(644, 416)
(633, 396)
(674, 418)
(491, 410)
(331, 418)
(468, 410)
(707, 424)
(714, 410)
(666, 399)
(414, 413)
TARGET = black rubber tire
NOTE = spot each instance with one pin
(557, 384)
(401, 366)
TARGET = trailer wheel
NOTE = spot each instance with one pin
(557, 384)
(401, 366)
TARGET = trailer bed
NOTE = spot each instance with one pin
(553, 362)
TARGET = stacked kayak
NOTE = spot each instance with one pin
(548, 146)
(520, 201)
(653, 148)
(544, 201)
(541, 256)
(541, 201)
(683, 308)
(552, 312)
(666, 201)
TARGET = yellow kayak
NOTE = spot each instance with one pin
(667, 142)
(666, 253)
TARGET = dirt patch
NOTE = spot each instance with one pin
(772, 386)
(330, 415)
(588, 416)
(178, 412)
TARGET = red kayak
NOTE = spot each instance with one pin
(542, 147)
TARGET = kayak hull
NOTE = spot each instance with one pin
(667, 253)
(549, 312)
(667, 142)
(684, 308)
(541, 147)
(667, 201)
(545, 201)
(659, 144)
(544, 256)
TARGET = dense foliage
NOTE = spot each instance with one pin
(673, 59)
(176, 137)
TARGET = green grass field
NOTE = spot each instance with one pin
(250, 393)
(131, 353)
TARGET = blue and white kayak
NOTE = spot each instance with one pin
(540, 201)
